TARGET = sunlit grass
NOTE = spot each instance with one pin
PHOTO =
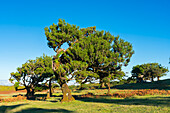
(140, 104)
(156, 103)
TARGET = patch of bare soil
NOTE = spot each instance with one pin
(10, 92)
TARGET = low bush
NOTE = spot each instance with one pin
(130, 93)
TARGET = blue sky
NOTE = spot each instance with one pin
(144, 23)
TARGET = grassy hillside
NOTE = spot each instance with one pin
(162, 84)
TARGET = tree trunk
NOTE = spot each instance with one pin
(108, 84)
(158, 78)
(81, 86)
(101, 83)
(152, 79)
(50, 88)
(67, 97)
(28, 91)
(32, 92)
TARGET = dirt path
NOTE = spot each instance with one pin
(9, 92)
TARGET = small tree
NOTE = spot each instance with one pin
(32, 74)
(148, 71)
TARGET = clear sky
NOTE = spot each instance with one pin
(144, 23)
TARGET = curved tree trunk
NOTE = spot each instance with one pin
(67, 97)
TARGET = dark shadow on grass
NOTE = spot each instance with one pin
(41, 110)
(4, 109)
(156, 101)
(44, 95)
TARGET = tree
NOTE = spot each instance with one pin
(104, 54)
(63, 65)
(148, 71)
(32, 74)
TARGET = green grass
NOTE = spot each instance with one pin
(103, 104)
(137, 104)
(7, 88)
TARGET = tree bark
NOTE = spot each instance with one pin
(28, 91)
(50, 88)
(101, 83)
(158, 78)
(32, 92)
(81, 86)
(67, 97)
(108, 84)
(152, 79)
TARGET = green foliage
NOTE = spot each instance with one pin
(91, 54)
(73, 87)
(57, 35)
(64, 65)
(41, 87)
(16, 85)
(104, 54)
(149, 71)
(33, 72)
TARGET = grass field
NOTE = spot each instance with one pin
(7, 88)
(148, 103)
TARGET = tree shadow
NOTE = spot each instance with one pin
(151, 101)
(41, 110)
(5, 109)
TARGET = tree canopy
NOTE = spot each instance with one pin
(103, 53)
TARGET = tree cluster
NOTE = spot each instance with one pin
(148, 71)
(91, 55)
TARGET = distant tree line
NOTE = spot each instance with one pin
(148, 71)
